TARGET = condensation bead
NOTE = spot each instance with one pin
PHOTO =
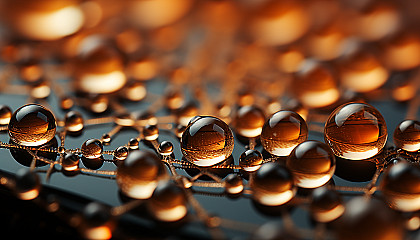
(207, 141)
(92, 148)
(139, 174)
(272, 185)
(290, 16)
(250, 160)
(5, 114)
(316, 87)
(168, 202)
(40, 90)
(73, 122)
(70, 162)
(369, 218)
(407, 135)
(326, 205)
(32, 125)
(98, 68)
(355, 131)
(401, 186)
(27, 185)
(135, 91)
(146, 118)
(133, 143)
(97, 221)
(362, 72)
(98, 103)
(166, 148)
(282, 132)
(150, 132)
(66, 103)
(124, 120)
(312, 164)
(249, 121)
(121, 153)
(43, 21)
(186, 112)
(234, 184)
(106, 139)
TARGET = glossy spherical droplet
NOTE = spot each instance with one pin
(124, 120)
(97, 221)
(70, 162)
(27, 184)
(402, 51)
(5, 114)
(186, 112)
(66, 103)
(133, 143)
(249, 121)
(407, 135)
(73, 121)
(316, 87)
(150, 132)
(139, 173)
(272, 185)
(362, 72)
(92, 148)
(134, 91)
(40, 90)
(312, 164)
(121, 153)
(32, 125)
(44, 21)
(166, 148)
(401, 186)
(99, 68)
(355, 131)
(282, 132)
(290, 16)
(168, 202)
(207, 141)
(250, 160)
(326, 205)
(106, 139)
(234, 184)
(369, 218)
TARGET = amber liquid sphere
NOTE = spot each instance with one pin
(92, 148)
(355, 131)
(32, 125)
(168, 202)
(250, 160)
(312, 164)
(369, 218)
(325, 205)
(316, 88)
(98, 68)
(407, 135)
(139, 174)
(272, 185)
(249, 121)
(5, 114)
(401, 187)
(207, 141)
(282, 132)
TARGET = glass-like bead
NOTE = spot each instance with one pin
(133, 143)
(121, 153)
(70, 162)
(272, 185)
(355, 131)
(73, 121)
(92, 148)
(312, 164)
(401, 186)
(32, 125)
(249, 121)
(316, 87)
(282, 132)
(5, 114)
(250, 160)
(97, 221)
(168, 202)
(27, 185)
(369, 218)
(139, 174)
(407, 135)
(234, 184)
(326, 205)
(150, 132)
(207, 141)
(166, 148)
